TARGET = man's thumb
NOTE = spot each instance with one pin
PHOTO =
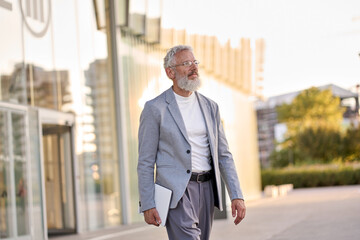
(157, 217)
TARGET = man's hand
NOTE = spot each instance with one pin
(152, 217)
(238, 209)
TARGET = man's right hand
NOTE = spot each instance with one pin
(152, 217)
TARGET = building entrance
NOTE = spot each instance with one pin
(58, 172)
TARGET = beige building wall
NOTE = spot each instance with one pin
(239, 119)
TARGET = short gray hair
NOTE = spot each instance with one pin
(169, 58)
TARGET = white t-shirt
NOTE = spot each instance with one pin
(196, 131)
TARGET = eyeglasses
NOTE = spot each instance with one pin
(187, 63)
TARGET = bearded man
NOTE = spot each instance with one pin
(182, 135)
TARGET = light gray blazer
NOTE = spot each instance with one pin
(163, 142)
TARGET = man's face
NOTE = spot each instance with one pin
(186, 77)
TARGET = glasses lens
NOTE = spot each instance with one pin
(196, 62)
(187, 63)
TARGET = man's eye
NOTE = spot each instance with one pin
(188, 63)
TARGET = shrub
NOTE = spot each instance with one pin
(286, 157)
(320, 143)
(312, 176)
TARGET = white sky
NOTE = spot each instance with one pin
(308, 42)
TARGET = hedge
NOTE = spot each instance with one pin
(311, 177)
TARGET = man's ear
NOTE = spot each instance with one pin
(170, 73)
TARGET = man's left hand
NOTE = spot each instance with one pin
(238, 210)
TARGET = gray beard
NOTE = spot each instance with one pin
(189, 85)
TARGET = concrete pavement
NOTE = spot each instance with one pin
(315, 213)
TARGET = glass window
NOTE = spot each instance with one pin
(153, 22)
(122, 10)
(137, 12)
(47, 81)
(5, 193)
(37, 201)
(12, 81)
(141, 73)
(56, 58)
(98, 157)
(14, 210)
(21, 183)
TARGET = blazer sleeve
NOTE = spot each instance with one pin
(148, 145)
(226, 162)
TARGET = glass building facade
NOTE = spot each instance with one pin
(74, 76)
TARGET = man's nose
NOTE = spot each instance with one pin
(194, 66)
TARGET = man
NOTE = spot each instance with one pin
(181, 133)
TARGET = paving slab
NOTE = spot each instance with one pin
(324, 213)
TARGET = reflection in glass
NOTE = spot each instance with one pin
(19, 156)
(68, 69)
(12, 86)
(5, 206)
(100, 156)
(5, 211)
(35, 163)
(48, 89)
(153, 21)
(141, 71)
(99, 162)
(12, 80)
(137, 11)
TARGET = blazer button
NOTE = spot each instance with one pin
(187, 151)
(188, 171)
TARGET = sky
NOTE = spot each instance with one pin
(308, 42)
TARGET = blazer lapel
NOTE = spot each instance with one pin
(206, 111)
(175, 112)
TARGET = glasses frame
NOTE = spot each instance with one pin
(187, 64)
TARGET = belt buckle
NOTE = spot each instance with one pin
(197, 178)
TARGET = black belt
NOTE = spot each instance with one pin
(201, 177)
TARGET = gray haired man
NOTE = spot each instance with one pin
(182, 134)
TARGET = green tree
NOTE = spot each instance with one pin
(313, 121)
(312, 108)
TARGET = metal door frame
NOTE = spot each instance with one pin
(47, 116)
(16, 108)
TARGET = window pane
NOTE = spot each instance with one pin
(47, 80)
(37, 201)
(5, 206)
(19, 156)
(141, 73)
(98, 163)
(12, 81)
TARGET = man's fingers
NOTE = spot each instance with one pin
(238, 210)
(157, 218)
(243, 213)
(240, 216)
(233, 209)
(152, 217)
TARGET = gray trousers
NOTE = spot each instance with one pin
(193, 217)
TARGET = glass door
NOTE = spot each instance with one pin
(59, 180)
(5, 181)
(15, 187)
(58, 168)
